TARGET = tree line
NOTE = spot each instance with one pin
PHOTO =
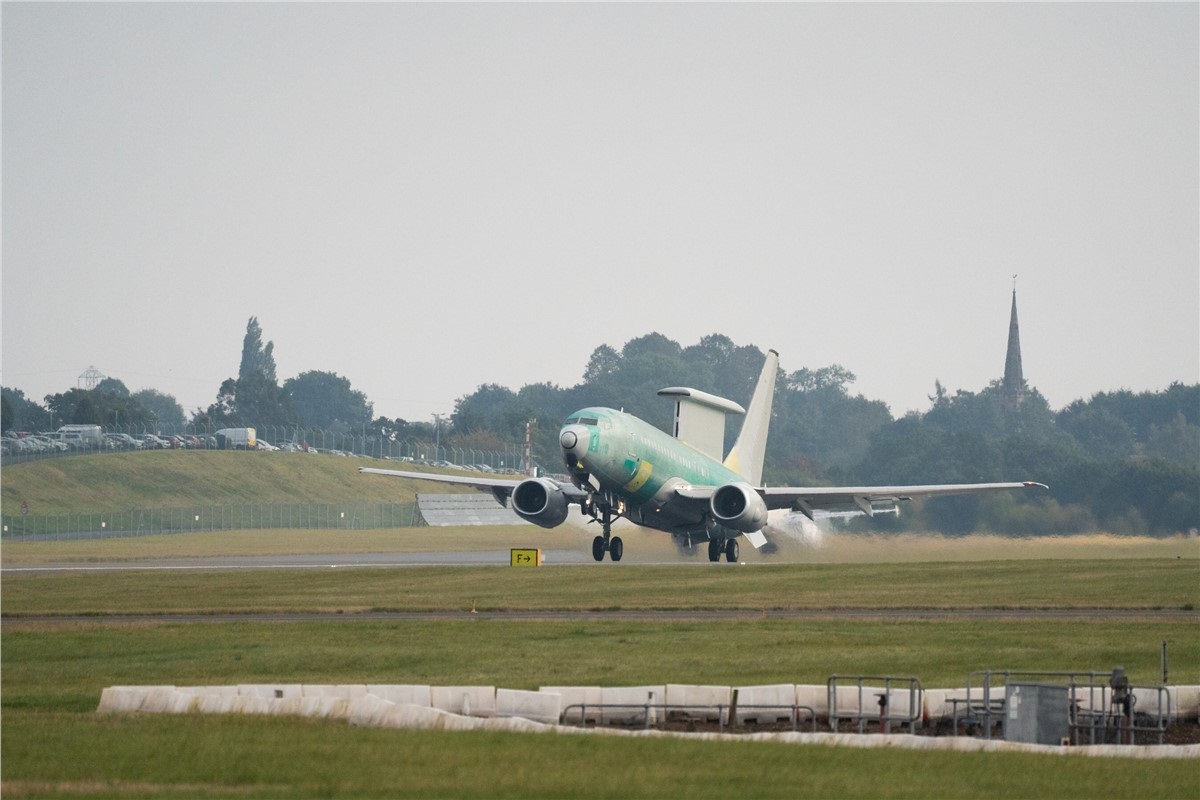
(1120, 461)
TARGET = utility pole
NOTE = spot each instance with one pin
(527, 458)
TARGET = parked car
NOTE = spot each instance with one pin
(123, 441)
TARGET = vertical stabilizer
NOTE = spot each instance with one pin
(746, 457)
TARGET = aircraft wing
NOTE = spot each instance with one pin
(501, 488)
(851, 500)
(829, 501)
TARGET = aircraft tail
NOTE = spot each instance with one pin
(746, 457)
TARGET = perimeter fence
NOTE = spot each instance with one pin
(257, 516)
(507, 458)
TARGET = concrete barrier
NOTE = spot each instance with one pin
(369, 711)
(588, 696)
(348, 691)
(625, 705)
(537, 706)
(271, 691)
(467, 701)
(402, 694)
(815, 697)
(120, 698)
(551, 703)
(697, 702)
(324, 706)
(781, 697)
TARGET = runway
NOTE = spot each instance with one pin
(474, 558)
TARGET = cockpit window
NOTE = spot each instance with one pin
(571, 421)
(588, 421)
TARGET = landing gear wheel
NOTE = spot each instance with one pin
(616, 548)
(598, 548)
(731, 551)
(714, 550)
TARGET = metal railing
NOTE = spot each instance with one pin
(723, 712)
(1091, 710)
(880, 709)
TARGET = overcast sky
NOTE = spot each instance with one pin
(425, 198)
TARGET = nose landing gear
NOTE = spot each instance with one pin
(607, 542)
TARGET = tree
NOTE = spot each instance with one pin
(326, 400)
(164, 408)
(26, 414)
(254, 397)
(601, 365)
(259, 398)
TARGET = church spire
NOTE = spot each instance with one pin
(1014, 378)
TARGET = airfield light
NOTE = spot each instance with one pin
(341, 515)
(196, 518)
(103, 524)
(6, 529)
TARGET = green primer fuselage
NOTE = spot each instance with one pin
(642, 466)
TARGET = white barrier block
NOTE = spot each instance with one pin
(851, 699)
(467, 701)
(588, 696)
(514, 725)
(781, 696)
(121, 698)
(697, 701)
(629, 704)
(538, 706)
(210, 691)
(815, 697)
(938, 705)
(415, 695)
(215, 703)
(1185, 701)
(249, 704)
(347, 691)
(271, 691)
(410, 716)
(328, 706)
(369, 711)
(157, 699)
(288, 707)
(182, 702)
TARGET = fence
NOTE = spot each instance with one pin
(150, 521)
(507, 459)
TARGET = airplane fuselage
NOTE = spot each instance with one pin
(640, 467)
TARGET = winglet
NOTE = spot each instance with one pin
(746, 457)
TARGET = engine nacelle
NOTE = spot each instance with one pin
(738, 506)
(540, 501)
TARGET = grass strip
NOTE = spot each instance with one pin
(1142, 584)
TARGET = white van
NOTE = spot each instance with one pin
(81, 437)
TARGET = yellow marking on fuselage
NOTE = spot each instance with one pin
(640, 477)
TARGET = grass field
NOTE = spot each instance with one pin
(54, 744)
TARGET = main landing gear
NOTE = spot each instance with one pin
(727, 546)
(607, 542)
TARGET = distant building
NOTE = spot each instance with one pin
(1013, 384)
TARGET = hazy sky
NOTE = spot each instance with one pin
(424, 198)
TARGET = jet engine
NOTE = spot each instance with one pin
(738, 506)
(540, 501)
